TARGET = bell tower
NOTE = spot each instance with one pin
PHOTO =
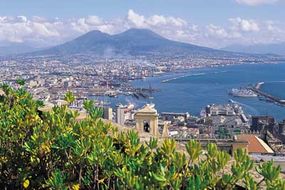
(147, 120)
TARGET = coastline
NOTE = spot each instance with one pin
(195, 95)
(209, 67)
(175, 78)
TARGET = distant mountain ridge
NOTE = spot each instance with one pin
(16, 48)
(134, 42)
(278, 49)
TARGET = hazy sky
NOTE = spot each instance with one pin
(214, 23)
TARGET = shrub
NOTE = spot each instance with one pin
(53, 150)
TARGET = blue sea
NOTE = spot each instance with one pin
(190, 91)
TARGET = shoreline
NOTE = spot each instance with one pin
(207, 67)
(175, 78)
(156, 81)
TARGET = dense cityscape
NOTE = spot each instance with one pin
(49, 78)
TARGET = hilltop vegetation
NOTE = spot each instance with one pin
(55, 151)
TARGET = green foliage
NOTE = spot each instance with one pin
(194, 150)
(20, 82)
(69, 97)
(271, 175)
(56, 180)
(94, 112)
(55, 151)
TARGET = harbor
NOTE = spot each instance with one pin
(192, 93)
(268, 97)
(255, 91)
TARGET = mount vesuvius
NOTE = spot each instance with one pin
(133, 42)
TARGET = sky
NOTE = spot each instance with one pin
(211, 23)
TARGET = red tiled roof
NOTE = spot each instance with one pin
(255, 145)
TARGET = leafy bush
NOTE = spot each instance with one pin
(55, 151)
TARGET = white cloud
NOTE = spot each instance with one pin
(21, 29)
(244, 25)
(162, 20)
(44, 29)
(93, 20)
(83, 25)
(47, 32)
(21, 19)
(154, 21)
(217, 31)
(136, 19)
(256, 2)
(243, 31)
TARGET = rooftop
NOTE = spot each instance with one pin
(148, 108)
(255, 144)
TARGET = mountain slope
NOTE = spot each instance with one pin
(92, 41)
(278, 49)
(131, 42)
(16, 48)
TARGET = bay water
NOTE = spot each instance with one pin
(192, 90)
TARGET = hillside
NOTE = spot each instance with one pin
(278, 49)
(16, 48)
(131, 42)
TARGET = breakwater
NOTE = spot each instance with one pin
(179, 77)
(267, 96)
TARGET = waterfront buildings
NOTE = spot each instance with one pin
(224, 120)
(259, 123)
(108, 113)
(120, 114)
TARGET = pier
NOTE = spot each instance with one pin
(268, 97)
(258, 85)
(143, 92)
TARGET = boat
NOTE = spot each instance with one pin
(111, 93)
(203, 113)
(242, 92)
(232, 101)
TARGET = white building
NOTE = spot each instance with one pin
(121, 115)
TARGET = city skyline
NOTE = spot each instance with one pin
(214, 24)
